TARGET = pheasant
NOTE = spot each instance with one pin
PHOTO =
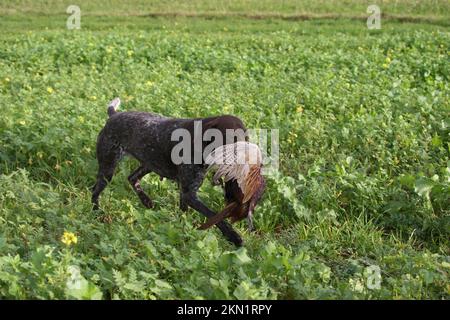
(240, 165)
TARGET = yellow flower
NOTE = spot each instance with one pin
(388, 60)
(50, 90)
(385, 65)
(93, 98)
(7, 79)
(108, 49)
(299, 109)
(40, 154)
(130, 53)
(68, 238)
(149, 83)
(22, 122)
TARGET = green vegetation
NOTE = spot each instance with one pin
(364, 174)
(438, 8)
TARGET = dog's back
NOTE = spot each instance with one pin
(148, 137)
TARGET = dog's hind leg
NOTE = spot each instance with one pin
(103, 177)
(134, 178)
(108, 156)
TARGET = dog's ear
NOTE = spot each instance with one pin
(210, 125)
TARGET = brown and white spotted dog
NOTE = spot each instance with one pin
(148, 138)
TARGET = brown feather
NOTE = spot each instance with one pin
(252, 182)
(239, 213)
(240, 202)
(227, 211)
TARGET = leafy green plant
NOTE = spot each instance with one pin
(364, 149)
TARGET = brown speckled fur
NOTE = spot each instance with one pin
(147, 137)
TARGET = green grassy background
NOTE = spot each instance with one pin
(364, 172)
(288, 7)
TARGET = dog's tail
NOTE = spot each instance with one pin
(113, 106)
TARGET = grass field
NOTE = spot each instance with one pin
(364, 179)
(424, 8)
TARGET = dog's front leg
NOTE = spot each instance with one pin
(191, 199)
(190, 179)
(183, 205)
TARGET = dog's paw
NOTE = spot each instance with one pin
(236, 239)
(148, 203)
(239, 242)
